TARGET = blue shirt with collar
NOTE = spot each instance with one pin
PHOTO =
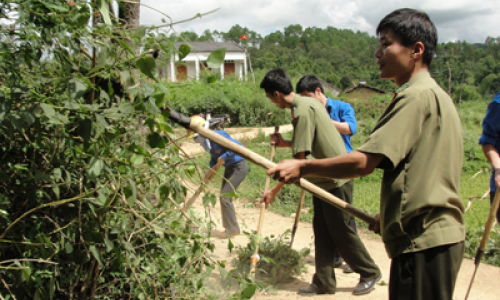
(342, 112)
(491, 131)
(217, 151)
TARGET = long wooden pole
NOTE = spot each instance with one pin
(206, 180)
(297, 215)
(254, 259)
(484, 239)
(263, 162)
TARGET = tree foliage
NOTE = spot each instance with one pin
(343, 57)
(89, 189)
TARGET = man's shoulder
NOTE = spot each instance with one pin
(496, 99)
(423, 85)
(301, 102)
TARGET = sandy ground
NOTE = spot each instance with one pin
(484, 287)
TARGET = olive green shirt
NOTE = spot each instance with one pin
(420, 136)
(315, 134)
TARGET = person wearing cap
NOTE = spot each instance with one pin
(236, 169)
(490, 143)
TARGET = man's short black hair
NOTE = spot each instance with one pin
(308, 83)
(276, 80)
(412, 26)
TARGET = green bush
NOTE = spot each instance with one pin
(278, 262)
(89, 188)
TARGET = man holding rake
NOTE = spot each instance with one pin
(315, 134)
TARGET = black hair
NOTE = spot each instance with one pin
(308, 83)
(276, 80)
(412, 26)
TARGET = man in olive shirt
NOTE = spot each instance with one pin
(315, 134)
(418, 143)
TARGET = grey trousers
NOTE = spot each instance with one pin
(233, 176)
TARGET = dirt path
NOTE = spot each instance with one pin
(484, 287)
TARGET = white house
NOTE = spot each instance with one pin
(234, 61)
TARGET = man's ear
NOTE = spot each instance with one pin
(418, 50)
(317, 91)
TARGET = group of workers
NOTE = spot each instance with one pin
(418, 144)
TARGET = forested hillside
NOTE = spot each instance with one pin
(343, 57)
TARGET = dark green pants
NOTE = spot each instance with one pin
(426, 275)
(331, 232)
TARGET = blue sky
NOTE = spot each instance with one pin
(472, 21)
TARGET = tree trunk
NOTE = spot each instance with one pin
(449, 78)
(130, 14)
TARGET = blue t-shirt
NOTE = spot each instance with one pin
(342, 112)
(491, 131)
(217, 151)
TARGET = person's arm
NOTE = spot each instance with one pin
(491, 136)
(268, 196)
(342, 127)
(347, 121)
(278, 141)
(346, 166)
(493, 157)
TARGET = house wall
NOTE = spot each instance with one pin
(192, 59)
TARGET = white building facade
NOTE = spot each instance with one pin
(190, 67)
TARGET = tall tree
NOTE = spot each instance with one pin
(129, 13)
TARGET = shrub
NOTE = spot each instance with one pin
(278, 262)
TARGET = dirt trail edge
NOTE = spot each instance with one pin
(484, 287)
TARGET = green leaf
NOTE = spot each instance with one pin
(56, 191)
(155, 140)
(164, 191)
(230, 246)
(248, 292)
(140, 31)
(216, 58)
(101, 121)
(211, 79)
(109, 244)
(77, 88)
(222, 272)
(26, 271)
(54, 7)
(184, 50)
(133, 195)
(124, 77)
(136, 159)
(49, 111)
(105, 12)
(82, 19)
(95, 253)
(69, 248)
(147, 65)
(57, 174)
(4, 108)
(52, 287)
(95, 167)
(29, 118)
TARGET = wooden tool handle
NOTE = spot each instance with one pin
(263, 162)
(490, 220)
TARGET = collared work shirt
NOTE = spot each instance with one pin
(420, 136)
(315, 134)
